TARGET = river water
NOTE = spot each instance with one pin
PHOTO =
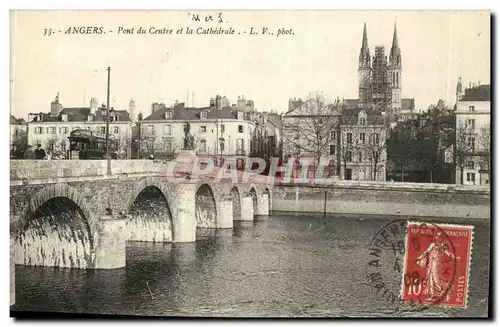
(285, 266)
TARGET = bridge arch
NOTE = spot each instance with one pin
(205, 207)
(149, 215)
(58, 229)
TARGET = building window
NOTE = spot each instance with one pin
(375, 138)
(240, 146)
(332, 149)
(360, 156)
(240, 128)
(222, 144)
(362, 121)
(116, 129)
(38, 130)
(52, 130)
(362, 138)
(349, 137)
(203, 146)
(63, 130)
(332, 135)
(150, 129)
(471, 108)
(349, 156)
(47, 130)
(470, 164)
(167, 129)
(471, 177)
(203, 115)
(168, 145)
(222, 128)
(471, 142)
(103, 130)
(203, 129)
(240, 115)
(168, 115)
(471, 123)
(296, 149)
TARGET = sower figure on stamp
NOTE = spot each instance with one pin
(431, 258)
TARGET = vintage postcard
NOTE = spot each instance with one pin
(218, 163)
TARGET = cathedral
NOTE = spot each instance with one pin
(380, 79)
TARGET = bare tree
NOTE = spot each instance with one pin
(20, 140)
(57, 147)
(149, 142)
(313, 132)
(124, 147)
(485, 149)
(376, 150)
(465, 144)
(349, 144)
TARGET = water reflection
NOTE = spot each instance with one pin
(283, 266)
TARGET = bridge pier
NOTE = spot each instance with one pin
(184, 219)
(247, 208)
(263, 206)
(12, 272)
(225, 213)
(110, 251)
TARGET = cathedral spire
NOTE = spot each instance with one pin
(364, 52)
(395, 55)
(364, 45)
(395, 38)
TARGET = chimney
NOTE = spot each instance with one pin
(55, 106)
(93, 106)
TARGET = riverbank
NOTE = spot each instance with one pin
(385, 198)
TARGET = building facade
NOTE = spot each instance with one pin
(473, 135)
(219, 131)
(350, 143)
(362, 145)
(51, 130)
(18, 132)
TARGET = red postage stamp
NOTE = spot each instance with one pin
(437, 261)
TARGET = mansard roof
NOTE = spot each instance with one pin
(80, 114)
(180, 112)
(373, 117)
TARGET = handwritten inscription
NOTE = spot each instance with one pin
(206, 21)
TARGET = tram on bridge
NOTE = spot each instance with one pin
(86, 144)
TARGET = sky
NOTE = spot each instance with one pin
(320, 53)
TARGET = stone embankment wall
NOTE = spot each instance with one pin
(385, 198)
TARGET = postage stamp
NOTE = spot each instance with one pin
(436, 264)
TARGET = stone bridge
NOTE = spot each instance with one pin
(80, 213)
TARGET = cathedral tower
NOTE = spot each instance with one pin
(364, 70)
(394, 72)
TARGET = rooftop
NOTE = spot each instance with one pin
(478, 93)
(80, 114)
